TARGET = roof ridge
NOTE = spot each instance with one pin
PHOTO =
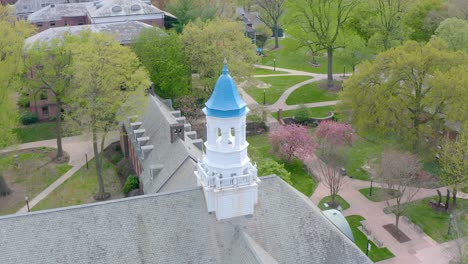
(119, 200)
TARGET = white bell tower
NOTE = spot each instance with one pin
(228, 177)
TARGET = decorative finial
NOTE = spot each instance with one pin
(225, 68)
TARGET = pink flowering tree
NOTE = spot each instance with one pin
(335, 133)
(292, 141)
(334, 139)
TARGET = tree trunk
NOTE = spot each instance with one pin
(330, 67)
(4, 190)
(101, 195)
(454, 192)
(440, 198)
(58, 129)
(276, 35)
(447, 201)
(397, 222)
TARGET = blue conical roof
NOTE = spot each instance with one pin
(225, 101)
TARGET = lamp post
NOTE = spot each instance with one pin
(449, 232)
(264, 96)
(371, 181)
(274, 64)
(368, 248)
(27, 203)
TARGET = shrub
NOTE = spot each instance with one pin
(132, 183)
(302, 114)
(117, 157)
(23, 100)
(269, 166)
(28, 118)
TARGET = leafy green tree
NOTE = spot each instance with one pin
(405, 91)
(418, 19)
(262, 34)
(453, 163)
(354, 52)
(163, 57)
(13, 32)
(108, 84)
(322, 21)
(206, 44)
(49, 67)
(189, 10)
(271, 12)
(454, 31)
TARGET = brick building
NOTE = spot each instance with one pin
(43, 104)
(98, 12)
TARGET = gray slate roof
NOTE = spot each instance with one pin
(176, 228)
(30, 6)
(177, 158)
(107, 8)
(56, 12)
(125, 32)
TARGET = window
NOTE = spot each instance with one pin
(52, 23)
(43, 95)
(39, 24)
(45, 111)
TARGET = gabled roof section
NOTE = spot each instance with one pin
(56, 12)
(124, 32)
(225, 101)
(176, 228)
(109, 8)
(30, 6)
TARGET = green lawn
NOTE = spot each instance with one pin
(310, 93)
(35, 174)
(81, 187)
(327, 199)
(375, 254)
(318, 112)
(362, 151)
(36, 132)
(260, 71)
(434, 223)
(290, 57)
(278, 84)
(259, 150)
(377, 194)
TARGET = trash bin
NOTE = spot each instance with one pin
(343, 172)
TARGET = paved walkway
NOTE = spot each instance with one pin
(76, 147)
(281, 102)
(421, 248)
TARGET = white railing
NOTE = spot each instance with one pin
(216, 181)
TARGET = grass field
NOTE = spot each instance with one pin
(259, 149)
(310, 93)
(290, 57)
(81, 187)
(278, 86)
(375, 254)
(361, 152)
(36, 172)
(434, 223)
(327, 199)
(318, 112)
(260, 71)
(36, 132)
(378, 194)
